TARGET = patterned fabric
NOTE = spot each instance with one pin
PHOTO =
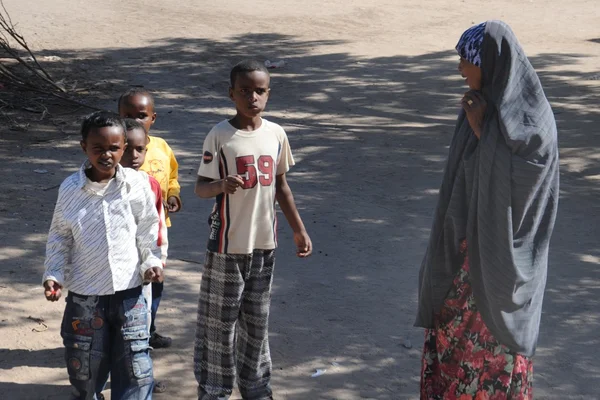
(469, 45)
(245, 220)
(101, 243)
(232, 331)
(462, 359)
(161, 164)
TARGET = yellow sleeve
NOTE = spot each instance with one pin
(174, 187)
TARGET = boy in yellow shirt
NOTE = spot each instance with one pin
(160, 163)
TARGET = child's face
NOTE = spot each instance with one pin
(250, 93)
(104, 148)
(138, 107)
(135, 151)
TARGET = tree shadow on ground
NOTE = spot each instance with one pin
(371, 136)
(46, 358)
(37, 391)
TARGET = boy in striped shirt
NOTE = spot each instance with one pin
(102, 247)
(243, 166)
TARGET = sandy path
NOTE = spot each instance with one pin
(368, 97)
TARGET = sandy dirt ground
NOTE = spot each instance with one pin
(368, 96)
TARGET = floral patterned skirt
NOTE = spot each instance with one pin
(462, 360)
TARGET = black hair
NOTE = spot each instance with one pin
(135, 92)
(132, 124)
(246, 66)
(101, 119)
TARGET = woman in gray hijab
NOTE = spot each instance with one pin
(482, 280)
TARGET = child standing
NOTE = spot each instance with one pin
(101, 247)
(244, 163)
(160, 163)
(133, 157)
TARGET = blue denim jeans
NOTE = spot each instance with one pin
(157, 291)
(108, 335)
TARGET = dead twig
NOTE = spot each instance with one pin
(189, 261)
(73, 101)
(7, 26)
(69, 112)
(33, 110)
(28, 86)
(8, 117)
(51, 187)
(22, 69)
(39, 321)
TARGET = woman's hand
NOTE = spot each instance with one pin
(474, 105)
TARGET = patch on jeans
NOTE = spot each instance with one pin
(142, 365)
(75, 363)
(75, 324)
(77, 355)
(82, 328)
(97, 323)
(135, 312)
(87, 304)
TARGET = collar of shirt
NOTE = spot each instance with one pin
(82, 177)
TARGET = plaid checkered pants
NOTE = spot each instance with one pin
(232, 329)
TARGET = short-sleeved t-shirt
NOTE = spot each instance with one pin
(245, 221)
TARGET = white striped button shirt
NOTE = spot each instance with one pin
(102, 242)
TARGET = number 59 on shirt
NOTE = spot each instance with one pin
(247, 169)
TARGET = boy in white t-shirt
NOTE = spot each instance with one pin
(244, 163)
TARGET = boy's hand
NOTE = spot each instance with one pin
(154, 274)
(231, 183)
(173, 204)
(303, 244)
(52, 290)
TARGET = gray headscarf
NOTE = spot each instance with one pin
(501, 194)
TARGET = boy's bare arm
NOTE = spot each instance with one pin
(207, 188)
(285, 198)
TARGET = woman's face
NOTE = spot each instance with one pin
(471, 73)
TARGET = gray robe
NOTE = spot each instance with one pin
(501, 194)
